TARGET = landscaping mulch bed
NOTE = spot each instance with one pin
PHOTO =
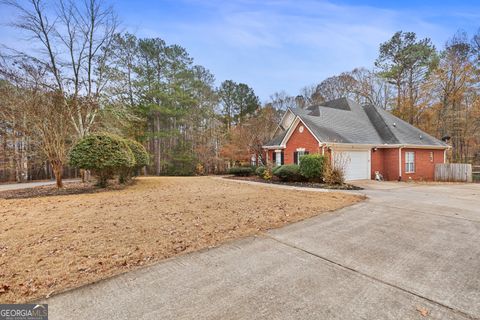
(344, 186)
(69, 188)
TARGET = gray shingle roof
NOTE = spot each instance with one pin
(345, 121)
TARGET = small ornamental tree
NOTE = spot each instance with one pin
(104, 154)
(312, 167)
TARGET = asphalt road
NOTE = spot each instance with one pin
(409, 252)
(26, 185)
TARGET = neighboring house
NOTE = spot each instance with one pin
(361, 139)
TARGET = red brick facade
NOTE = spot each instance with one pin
(298, 139)
(386, 162)
(383, 160)
(425, 160)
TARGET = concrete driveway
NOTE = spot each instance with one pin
(409, 252)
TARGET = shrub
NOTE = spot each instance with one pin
(141, 156)
(104, 154)
(333, 175)
(260, 171)
(241, 171)
(274, 169)
(289, 172)
(199, 169)
(311, 167)
(267, 174)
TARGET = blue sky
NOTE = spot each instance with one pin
(275, 45)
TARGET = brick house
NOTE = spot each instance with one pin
(362, 139)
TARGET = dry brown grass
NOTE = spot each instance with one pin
(50, 244)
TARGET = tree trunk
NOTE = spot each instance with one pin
(57, 170)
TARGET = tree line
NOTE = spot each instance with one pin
(82, 75)
(434, 89)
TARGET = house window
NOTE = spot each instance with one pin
(297, 154)
(278, 158)
(409, 162)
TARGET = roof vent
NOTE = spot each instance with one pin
(445, 138)
(421, 137)
(394, 124)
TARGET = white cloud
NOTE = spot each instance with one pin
(286, 44)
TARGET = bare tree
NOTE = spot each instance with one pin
(74, 37)
(41, 111)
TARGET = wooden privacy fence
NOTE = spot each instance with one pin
(476, 173)
(460, 172)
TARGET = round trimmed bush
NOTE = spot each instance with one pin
(289, 172)
(260, 171)
(142, 158)
(241, 171)
(104, 154)
(311, 167)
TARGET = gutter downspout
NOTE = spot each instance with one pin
(400, 163)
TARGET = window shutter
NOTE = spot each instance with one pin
(295, 157)
(306, 152)
(274, 157)
(281, 162)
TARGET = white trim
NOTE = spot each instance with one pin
(400, 162)
(300, 149)
(281, 120)
(409, 172)
(311, 132)
(385, 146)
(445, 156)
(291, 130)
(370, 164)
(278, 157)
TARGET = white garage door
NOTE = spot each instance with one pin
(356, 164)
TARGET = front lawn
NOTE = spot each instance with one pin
(50, 244)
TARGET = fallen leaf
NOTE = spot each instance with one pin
(423, 311)
(4, 288)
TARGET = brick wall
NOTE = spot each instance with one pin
(378, 162)
(390, 159)
(424, 164)
(386, 162)
(297, 140)
(300, 140)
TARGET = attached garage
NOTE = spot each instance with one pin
(355, 163)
